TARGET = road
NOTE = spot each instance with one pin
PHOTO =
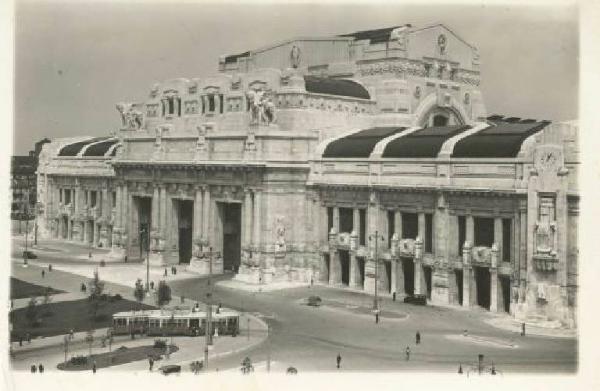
(310, 338)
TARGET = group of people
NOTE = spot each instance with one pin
(39, 368)
(173, 271)
(338, 359)
(49, 269)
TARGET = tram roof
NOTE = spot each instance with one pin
(177, 314)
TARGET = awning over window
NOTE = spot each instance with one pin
(359, 144)
(426, 142)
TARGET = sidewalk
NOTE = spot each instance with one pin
(508, 323)
(275, 286)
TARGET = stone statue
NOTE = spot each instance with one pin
(130, 118)
(545, 229)
(262, 108)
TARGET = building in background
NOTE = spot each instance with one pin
(353, 160)
(24, 182)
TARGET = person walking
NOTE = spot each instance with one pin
(28, 337)
(43, 273)
(20, 341)
(165, 272)
(151, 362)
(50, 267)
(407, 353)
(33, 369)
(523, 329)
(338, 360)
(71, 334)
(40, 368)
(418, 338)
(94, 367)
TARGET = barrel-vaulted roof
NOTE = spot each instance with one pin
(73, 149)
(359, 144)
(340, 87)
(424, 143)
(502, 139)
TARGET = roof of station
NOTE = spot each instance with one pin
(374, 36)
(74, 149)
(424, 143)
(502, 139)
(340, 87)
(359, 144)
(101, 148)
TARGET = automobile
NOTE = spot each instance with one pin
(314, 301)
(416, 299)
(29, 255)
(170, 369)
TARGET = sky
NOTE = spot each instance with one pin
(75, 60)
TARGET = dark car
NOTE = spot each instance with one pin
(416, 299)
(29, 255)
(170, 369)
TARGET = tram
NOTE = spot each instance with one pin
(191, 322)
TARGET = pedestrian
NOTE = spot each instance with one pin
(465, 332)
(165, 271)
(172, 272)
(394, 296)
(50, 267)
(407, 353)
(418, 338)
(90, 255)
(20, 341)
(83, 288)
(125, 258)
(43, 273)
(175, 270)
(523, 329)
(94, 367)
(40, 368)
(338, 360)
(312, 281)
(152, 285)
(71, 334)
(151, 362)
(376, 317)
(28, 336)
(33, 369)
(460, 368)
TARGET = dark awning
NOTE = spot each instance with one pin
(374, 36)
(422, 143)
(340, 87)
(75, 148)
(501, 139)
(100, 149)
(359, 144)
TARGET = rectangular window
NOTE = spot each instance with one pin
(221, 103)
(114, 199)
(346, 220)
(410, 225)
(60, 195)
(462, 233)
(484, 231)
(391, 227)
(362, 216)
(93, 199)
(428, 233)
(211, 103)
(506, 242)
(178, 107)
(171, 105)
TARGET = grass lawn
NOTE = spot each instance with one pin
(118, 356)
(21, 289)
(59, 318)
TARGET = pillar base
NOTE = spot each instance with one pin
(248, 274)
(157, 259)
(117, 253)
(202, 266)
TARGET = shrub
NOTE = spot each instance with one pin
(160, 343)
(314, 301)
(79, 360)
(117, 297)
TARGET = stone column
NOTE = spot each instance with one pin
(69, 228)
(247, 234)
(419, 285)
(498, 239)
(162, 220)
(494, 279)
(398, 223)
(155, 209)
(126, 216)
(96, 233)
(324, 228)
(86, 231)
(197, 228)
(470, 229)
(206, 213)
(467, 270)
(353, 270)
(336, 218)
(422, 231)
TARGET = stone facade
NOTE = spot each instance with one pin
(235, 171)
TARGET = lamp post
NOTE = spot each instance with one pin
(144, 244)
(208, 328)
(375, 238)
(26, 214)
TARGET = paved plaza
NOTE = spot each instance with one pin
(307, 338)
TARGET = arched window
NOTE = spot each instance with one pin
(440, 120)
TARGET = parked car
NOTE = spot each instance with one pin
(170, 369)
(29, 255)
(416, 299)
(314, 301)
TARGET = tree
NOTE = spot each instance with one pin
(163, 296)
(139, 292)
(95, 287)
(32, 311)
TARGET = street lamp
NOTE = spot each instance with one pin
(375, 238)
(208, 328)
(144, 244)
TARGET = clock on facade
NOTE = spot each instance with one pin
(547, 159)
